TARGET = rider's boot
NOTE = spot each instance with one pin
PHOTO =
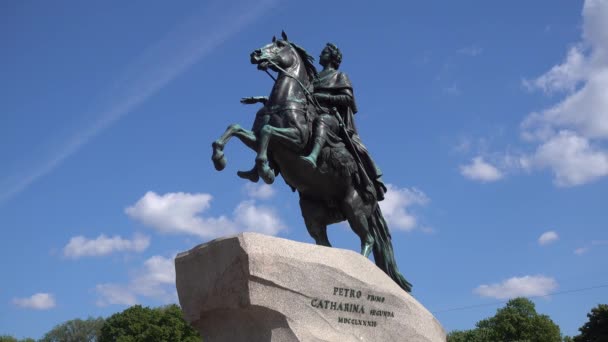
(320, 137)
(251, 175)
(264, 171)
(380, 189)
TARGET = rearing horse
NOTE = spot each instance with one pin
(329, 193)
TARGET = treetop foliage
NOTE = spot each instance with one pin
(596, 329)
(137, 323)
(518, 321)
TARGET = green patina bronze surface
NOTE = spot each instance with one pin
(306, 133)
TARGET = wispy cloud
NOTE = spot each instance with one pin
(571, 134)
(589, 247)
(80, 246)
(156, 279)
(38, 301)
(183, 213)
(397, 204)
(156, 67)
(548, 237)
(480, 170)
(525, 286)
(259, 191)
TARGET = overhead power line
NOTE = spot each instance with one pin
(529, 297)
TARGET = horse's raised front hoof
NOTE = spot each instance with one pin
(218, 158)
(251, 175)
(219, 161)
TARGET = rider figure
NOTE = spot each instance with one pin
(332, 89)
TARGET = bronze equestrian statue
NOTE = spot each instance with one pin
(305, 132)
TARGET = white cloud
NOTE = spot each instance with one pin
(395, 206)
(114, 294)
(480, 170)
(251, 217)
(547, 238)
(181, 213)
(584, 111)
(158, 273)
(155, 280)
(572, 158)
(80, 246)
(571, 133)
(162, 62)
(259, 191)
(38, 301)
(594, 244)
(525, 286)
(563, 77)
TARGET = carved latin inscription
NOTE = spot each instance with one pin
(366, 306)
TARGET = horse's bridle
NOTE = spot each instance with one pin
(286, 73)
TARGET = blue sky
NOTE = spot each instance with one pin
(489, 120)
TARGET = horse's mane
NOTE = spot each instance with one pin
(308, 60)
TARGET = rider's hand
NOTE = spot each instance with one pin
(254, 99)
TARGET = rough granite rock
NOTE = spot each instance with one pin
(256, 288)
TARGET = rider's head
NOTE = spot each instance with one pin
(331, 55)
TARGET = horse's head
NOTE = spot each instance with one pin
(280, 52)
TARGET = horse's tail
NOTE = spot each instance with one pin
(383, 250)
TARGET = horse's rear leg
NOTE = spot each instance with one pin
(314, 218)
(246, 136)
(357, 213)
(319, 233)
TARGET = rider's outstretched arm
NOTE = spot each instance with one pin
(254, 99)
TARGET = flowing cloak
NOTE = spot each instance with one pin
(337, 85)
(337, 91)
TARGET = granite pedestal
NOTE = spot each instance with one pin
(256, 288)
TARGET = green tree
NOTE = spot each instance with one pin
(517, 321)
(596, 329)
(137, 323)
(76, 330)
(8, 338)
(464, 336)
